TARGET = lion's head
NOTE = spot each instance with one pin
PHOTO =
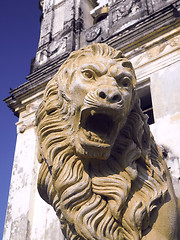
(100, 168)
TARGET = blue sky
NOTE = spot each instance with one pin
(19, 31)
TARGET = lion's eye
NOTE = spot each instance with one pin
(88, 74)
(125, 82)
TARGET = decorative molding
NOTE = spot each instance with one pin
(141, 32)
(123, 9)
(54, 48)
(27, 124)
(93, 33)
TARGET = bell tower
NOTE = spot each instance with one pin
(61, 24)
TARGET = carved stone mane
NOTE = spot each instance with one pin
(100, 167)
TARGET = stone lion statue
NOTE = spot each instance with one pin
(101, 169)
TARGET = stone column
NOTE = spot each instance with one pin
(28, 216)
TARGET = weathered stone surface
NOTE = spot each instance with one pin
(27, 213)
(100, 167)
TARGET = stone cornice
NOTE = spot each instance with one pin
(36, 82)
(127, 40)
(146, 29)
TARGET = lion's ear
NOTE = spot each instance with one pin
(51, 106)
(51, 97)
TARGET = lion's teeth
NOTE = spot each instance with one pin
(92, 112)
(93, 137)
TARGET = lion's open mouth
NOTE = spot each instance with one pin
(99, 123)
(98, 126)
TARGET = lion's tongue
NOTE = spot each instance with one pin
(99, 124)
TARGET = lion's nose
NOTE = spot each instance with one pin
(110, 95)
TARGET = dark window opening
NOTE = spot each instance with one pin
(143, 90)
